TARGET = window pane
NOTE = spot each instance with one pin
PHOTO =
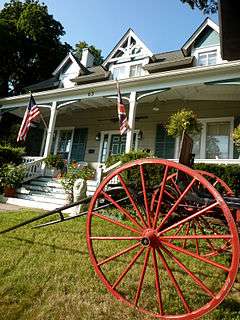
(207, 58)
(119, 73)
(217, 140)
(135, 70)
(196, 145)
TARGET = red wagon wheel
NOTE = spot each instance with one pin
(199, 222)
(217, 183)
(139, 254)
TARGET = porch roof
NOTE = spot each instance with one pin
(185, 78)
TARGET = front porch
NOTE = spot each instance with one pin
(82, 122)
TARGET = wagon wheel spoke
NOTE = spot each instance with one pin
(210, 245)
(187, 233)
(131, 200)
(140, 284)
(145, 195)
(127, 269)
(194, 255)
(122, 210)
(174, 207)
(174, 281)
(116, 222)
(157, 282)
(120, 253)
(191, 217)
(191, 274)
(159, 202)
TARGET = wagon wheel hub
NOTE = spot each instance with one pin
(150, 238)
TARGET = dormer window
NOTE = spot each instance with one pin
(127, 71)
(119, 73)
(207, 58)
(135, 70)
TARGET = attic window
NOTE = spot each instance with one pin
(207, 58)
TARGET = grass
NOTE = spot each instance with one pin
(46, 274)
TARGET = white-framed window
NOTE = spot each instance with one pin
(207, 58)
(127, 71)
(135, 70)
(214, 141)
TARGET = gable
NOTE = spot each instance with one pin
(208, 37)
(129, 48)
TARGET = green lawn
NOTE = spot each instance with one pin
(46, 274)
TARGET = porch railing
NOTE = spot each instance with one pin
(34, 166)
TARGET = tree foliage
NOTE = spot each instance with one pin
(30, 45)
(96, 52)
(207, 6)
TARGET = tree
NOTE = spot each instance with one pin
(32, 46)
(207, 6)
(96, 52)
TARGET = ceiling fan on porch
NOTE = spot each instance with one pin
(115, 119)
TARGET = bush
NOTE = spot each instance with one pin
(54, 161)
(11, 175)
(10, 154)
(229, 173)
(126, 157)
(73, 173)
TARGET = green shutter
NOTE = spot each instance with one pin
(165, 145)
(79, 144)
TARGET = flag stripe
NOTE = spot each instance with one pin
(122, 116)
(31, 113)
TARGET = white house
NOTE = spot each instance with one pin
(79, 101)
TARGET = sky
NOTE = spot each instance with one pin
(163, 25)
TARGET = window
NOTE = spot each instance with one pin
(217, 140)
(119, 73)
(127, 71)
(207, 58)
(214, 140)
(135, 70)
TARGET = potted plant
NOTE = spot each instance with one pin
(183, 121)
(54, 165)
(11, 176)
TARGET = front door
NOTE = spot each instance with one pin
(117, 144)
(113, 143)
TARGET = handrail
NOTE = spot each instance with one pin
(34, 167)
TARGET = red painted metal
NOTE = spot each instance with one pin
(147, 245)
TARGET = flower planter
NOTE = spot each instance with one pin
(9, 192)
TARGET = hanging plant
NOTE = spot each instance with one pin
(183, 120)
(236, 137)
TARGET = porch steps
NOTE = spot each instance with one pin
(45, 193)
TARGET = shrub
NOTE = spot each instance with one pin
(10, 154)
(130, 156)
(54, 161)
(236, 137)
(183, 120)
(11, 175)
(229, 173)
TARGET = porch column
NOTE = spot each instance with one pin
(50, 130)
(131, 121)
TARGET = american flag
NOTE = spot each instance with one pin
(31, 113)
(122, 116)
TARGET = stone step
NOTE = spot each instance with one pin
(46, 193)
(49, 183)
(27, 188)
(42, 198)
